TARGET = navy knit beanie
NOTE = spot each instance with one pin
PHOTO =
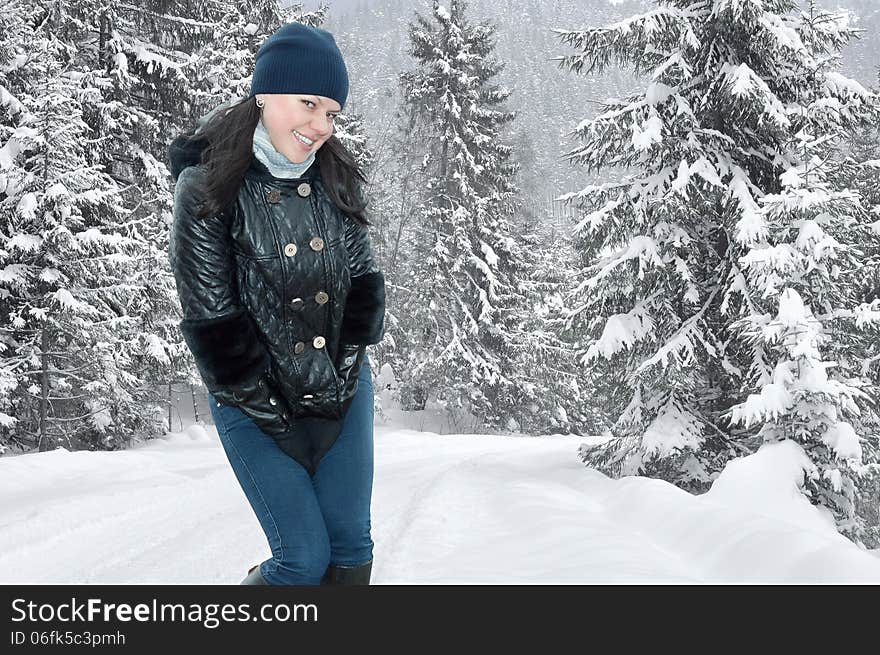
(300, 59)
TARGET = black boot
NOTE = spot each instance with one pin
(348, 575)
(254, 577)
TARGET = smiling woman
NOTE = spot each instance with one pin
(280, 296)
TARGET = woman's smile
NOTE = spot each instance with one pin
(304, 141)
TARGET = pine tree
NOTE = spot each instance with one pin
(463, 304)
(859, 168)
(14, 17)
(719, 272)
(809, 262)
(70, 252)
(556, 396)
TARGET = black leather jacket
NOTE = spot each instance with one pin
(279, 298)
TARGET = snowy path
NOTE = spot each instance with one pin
(446, 509)
(489, 510)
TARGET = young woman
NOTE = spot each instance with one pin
(280, 296)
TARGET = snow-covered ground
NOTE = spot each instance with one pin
(447, 509)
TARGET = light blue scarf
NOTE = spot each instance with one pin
(278, 164)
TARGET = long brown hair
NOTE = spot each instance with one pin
(227, 138)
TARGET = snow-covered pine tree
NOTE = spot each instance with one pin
(556, 396)
(803, 273)
(16, 30)
(812, 320)
(671, 251)
(861, 171)
(653, 246)
(463, 304)
(70, 250)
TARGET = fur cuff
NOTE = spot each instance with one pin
(363, 321)
(227, 349)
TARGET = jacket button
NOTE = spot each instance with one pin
(273, 196)
(290, 249)
(317, 243)
(272, 400)
(349, 360)
(299, 347)
(296, 303)
(321, 297)
(318, 342)
(260, 383)
(304, 189)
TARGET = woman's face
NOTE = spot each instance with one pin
(287, 116)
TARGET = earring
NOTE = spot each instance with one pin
(261, 103)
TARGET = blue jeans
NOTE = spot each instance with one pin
(310, 523)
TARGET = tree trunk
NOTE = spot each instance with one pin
(195, 403)
(43, 443)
